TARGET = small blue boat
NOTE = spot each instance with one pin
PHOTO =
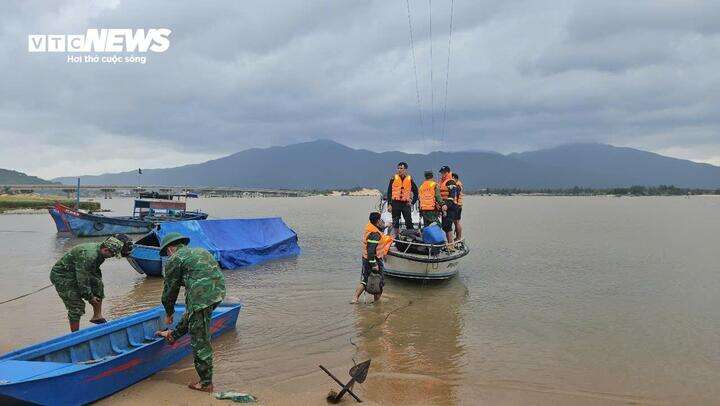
(234, 243)
(146, 214)
(90, 364)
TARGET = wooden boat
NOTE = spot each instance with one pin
(90, 364)
(59, 221)
(146, 214)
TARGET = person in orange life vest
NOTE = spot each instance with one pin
(375, 246)
(430, 200)
(459, 203)
(448, 192)
(402, 194)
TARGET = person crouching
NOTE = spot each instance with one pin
(77, 278)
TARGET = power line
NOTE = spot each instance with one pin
(432, 89)
(447, 74)
(414, 61)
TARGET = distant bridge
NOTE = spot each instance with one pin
(133, 190)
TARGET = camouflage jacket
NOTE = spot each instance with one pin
(199, 273)
(80, 264)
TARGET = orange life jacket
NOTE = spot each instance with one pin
(444, 191)
(383, 245)
(401, 188)
(460, 192)
(427, 195)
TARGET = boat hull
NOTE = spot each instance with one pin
(427, 268)
(25, 377)
(92, 225)
(146, 260)
(59, 221)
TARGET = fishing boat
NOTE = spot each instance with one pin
(146, 214)
(234, 243)
(60, 223)
(410, 259)
(90, 364)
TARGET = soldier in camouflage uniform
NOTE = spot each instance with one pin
(199, 273)
(77, 277)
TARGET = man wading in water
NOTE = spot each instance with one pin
(197, 270)
(375, 246)
(77, 278)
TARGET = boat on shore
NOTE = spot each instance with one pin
(146, 214)
(234, 243)
(410, 258)
(90, 364)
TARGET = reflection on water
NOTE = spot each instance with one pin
(414, 340)
(561, 301)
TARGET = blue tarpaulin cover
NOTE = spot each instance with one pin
(238, 242)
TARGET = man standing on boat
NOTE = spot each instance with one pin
(375, 246)
(402, 193)
(77, 278)
(448, 192)
(199, 273)
(430, 200)
(459, 204)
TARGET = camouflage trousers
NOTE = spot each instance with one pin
(69, 293)
(197, 324)
(429, 217)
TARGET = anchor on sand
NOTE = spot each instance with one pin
(358, 373)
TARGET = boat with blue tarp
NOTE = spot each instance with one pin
(146, 214)
(90, 364)
(234, 243)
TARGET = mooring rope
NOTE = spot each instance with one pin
(372, 326)
(27, 294)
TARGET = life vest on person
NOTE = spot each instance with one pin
(427, 195)
(401, 188)
(444, 191)
(460, 192)
(383, 245)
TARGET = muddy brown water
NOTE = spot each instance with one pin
(562, 301)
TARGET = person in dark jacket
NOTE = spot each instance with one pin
(402, 194)
(449, 193)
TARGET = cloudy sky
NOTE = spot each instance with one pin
(239, 74)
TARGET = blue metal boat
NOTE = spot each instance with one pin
(234, 243)
(146, 214)
(90, 364)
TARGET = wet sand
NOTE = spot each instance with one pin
(598, 301)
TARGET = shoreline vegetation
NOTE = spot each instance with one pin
(40, 202)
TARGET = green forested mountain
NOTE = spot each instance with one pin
(10, 177)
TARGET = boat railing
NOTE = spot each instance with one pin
(455, 245)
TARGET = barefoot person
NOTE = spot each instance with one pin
(199, 273)
(77, 278)
(375, 246)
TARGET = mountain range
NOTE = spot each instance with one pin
(323, 165)
(10, 177)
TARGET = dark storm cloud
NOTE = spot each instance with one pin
(524, 74)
